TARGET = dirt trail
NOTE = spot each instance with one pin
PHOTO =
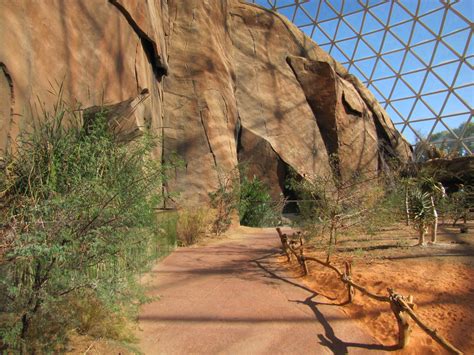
(232, 297)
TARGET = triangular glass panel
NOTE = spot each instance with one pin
(338, 54)
(371, 23)
(447, 72)
(421, 34)
(364, 51)
(394, 116)
(348, 46)
(391, 43)
(454, 105)
(465, 76)
(402, 90)
(385, 85)
(375, 39)
(422, 129)
(344, 31)
(337, 5)
(433, 20)
(457, 124)
(409, 135)
(320, 37)
(409, 6)
(415, 79)
(428, 6)
(382, 70)
(378, 95)
(366, 65)
(381, 11)
(444, 54)
(404, 106)
(425, 51)
(439, 132)
(436, 101)
(458, 41)
(355, 71)
(403, 31)
(399, 14)
(433, 84)
(329, 27)
(454, 22)
(467, 93)
(352, 6)
(325, 12)
(300, 18)
(395, 59)
(355, 20)
(412, 63)
(310, 8)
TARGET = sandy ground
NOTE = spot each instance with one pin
(233, 297)
(440, 278)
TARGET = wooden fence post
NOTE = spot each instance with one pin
(402, 319)
(284, 243)
(302, 257)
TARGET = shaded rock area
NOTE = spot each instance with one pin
(453, 172)
(219, 81)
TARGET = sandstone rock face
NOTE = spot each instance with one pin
(220, 81)
(88, 47)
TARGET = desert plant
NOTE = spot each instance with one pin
(224, 200)
(192, 224)
(331, 204)
(79, 211)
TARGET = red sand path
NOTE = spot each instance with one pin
(232, 297)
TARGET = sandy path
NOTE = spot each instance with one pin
(233, 298)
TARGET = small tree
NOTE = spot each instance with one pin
(330, 204)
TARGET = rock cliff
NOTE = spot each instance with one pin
(220, 81)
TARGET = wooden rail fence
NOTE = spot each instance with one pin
(401, 306)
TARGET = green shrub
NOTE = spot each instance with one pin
(256, 208)
(77, 209)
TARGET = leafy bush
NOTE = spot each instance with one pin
(78, 213)
(256, 208)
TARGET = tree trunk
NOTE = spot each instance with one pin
(407, 207)
(434, 226)
(421, 237)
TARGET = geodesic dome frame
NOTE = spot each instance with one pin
(416, 57)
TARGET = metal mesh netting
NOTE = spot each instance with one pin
(415, 56)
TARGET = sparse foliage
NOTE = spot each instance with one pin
(330, 205)
(225, 200)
